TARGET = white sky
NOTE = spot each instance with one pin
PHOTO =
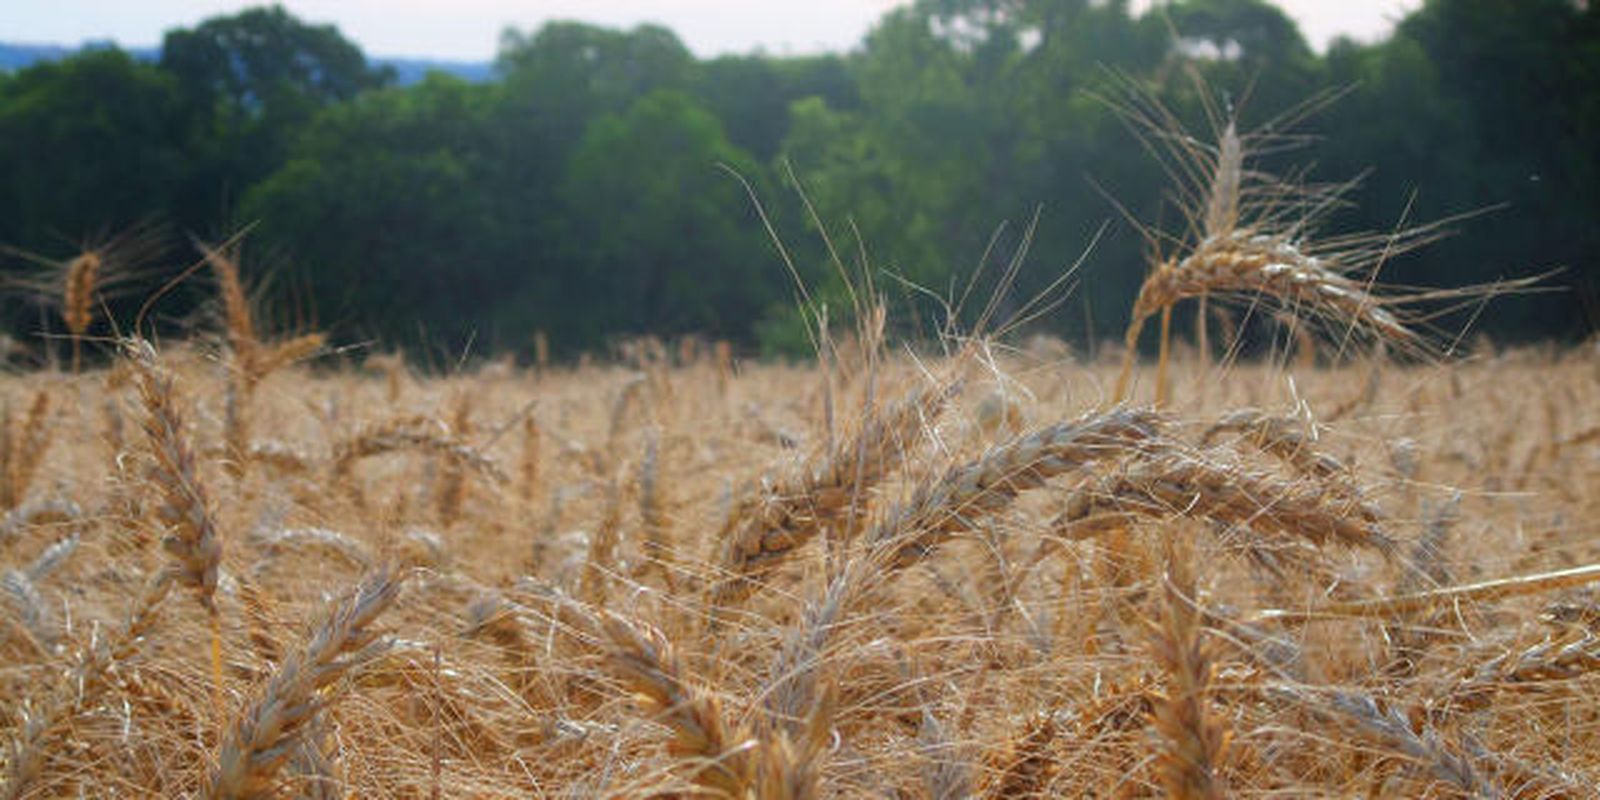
(470, 29)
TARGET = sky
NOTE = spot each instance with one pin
(470, 29)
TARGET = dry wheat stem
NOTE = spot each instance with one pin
(1483, 592)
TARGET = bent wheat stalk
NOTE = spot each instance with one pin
(1179, 484)
(1483, 592)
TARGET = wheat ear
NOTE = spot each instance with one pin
(77, 299)
(767, 528)
(939, 509)
(713, 750)
(192, 539)
(236, 306)
(1175, 483)
(23, 443)
(268, 730)
(953, 503)
(1195, 739)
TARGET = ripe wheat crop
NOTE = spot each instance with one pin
(992, 573)
(1237, 594)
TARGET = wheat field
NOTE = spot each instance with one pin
(886, 575)
(248, 566)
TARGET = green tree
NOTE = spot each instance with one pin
(751, 94)
(90, 144)
(569, 73)
(385, 213)
(974, 114)
(671, 244)
(1526, 76)
(554, 84)
(250, 82)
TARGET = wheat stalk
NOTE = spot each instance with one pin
(1483, 592)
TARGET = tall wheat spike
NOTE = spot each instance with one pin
(77, 299)
(192, 535)
(1252, 236)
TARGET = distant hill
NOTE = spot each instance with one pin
(411, 70)
(407, 70)
(17, 56)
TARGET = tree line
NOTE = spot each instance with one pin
(608, 183)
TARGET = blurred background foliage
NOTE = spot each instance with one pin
(603, 183)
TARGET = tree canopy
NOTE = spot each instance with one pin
(605, 182)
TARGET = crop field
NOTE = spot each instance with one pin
(242, 565)
(947, 576)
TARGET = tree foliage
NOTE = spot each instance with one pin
(593, 189)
